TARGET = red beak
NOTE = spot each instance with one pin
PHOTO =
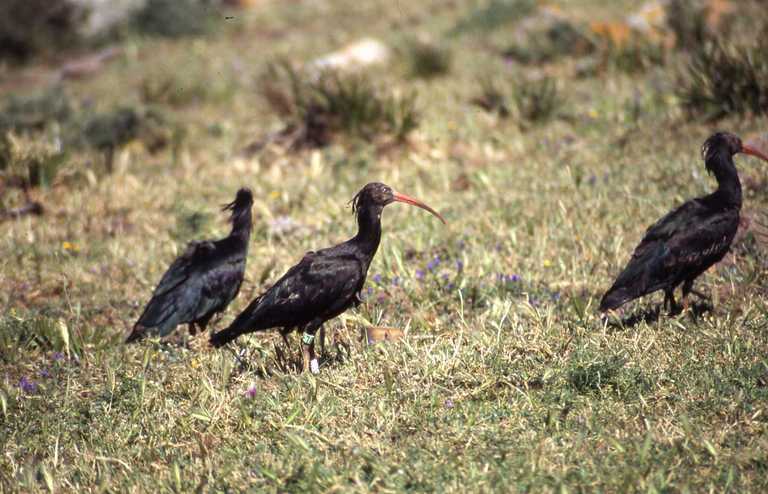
(747, 149)
(415, 202)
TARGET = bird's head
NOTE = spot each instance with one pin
(379, 195)
(241, 205)
(725, 145)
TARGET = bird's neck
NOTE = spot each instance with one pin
(729, 186)
(241, 226)
(369, 229)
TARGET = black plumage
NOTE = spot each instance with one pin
(202, 281)
(689, 239)
(324, 283)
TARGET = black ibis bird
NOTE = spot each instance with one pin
(202, 281)
(689, 239)
(324, 283)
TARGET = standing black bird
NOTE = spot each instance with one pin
(202, 281)
(324, 283)
(689, 239)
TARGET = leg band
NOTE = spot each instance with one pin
(307, 339)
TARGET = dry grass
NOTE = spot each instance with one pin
(505, 380)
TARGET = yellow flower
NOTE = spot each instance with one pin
(274, 194)
(547, 263)
(71, 246)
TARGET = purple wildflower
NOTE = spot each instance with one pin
(450, 286)
(419, 274)
(444, 276)
(45, 374)
(251, 391)
(449, 403)
(396, 281)
(27, 386)
(513, 278)
(377, 278)
(459, 265)
(57, 356)
(434, 263)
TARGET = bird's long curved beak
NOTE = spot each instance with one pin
(415, 202)
(747, 149)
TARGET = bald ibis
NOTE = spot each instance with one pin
(202, 281)
(689, 239)
(324, 283)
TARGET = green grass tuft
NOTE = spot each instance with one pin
(427, 59)
(320, 107)
(725, 79)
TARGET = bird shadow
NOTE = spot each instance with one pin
(652, 315)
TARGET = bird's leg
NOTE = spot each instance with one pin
(669, 298)
(192, 329)
(687, 288)
(308, 348)
(284, 333)
(322, 341)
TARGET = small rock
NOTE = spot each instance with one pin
(361, 53)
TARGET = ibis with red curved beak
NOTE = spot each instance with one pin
(689, 239)
(324, 283)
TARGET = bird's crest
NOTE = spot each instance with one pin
(355, 202)
(243, 201)
(717, 143)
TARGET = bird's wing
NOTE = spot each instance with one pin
(321, 285)
(220, 285)
(183, 266)
(177, 297)
(686, 240)
(704, 243)
(678, 220)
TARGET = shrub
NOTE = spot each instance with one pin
(428, 60)
(687, 19)
(109, 131)
(725, 79)
(555, 40)
(175, 18)
(31, 27)
(496, 14)
(35, 112)
(537, 101)
(533, 101)
(319, 107)
(492, 98)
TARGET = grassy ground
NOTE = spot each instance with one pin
(506, 380)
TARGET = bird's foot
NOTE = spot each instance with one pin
(308, 351)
